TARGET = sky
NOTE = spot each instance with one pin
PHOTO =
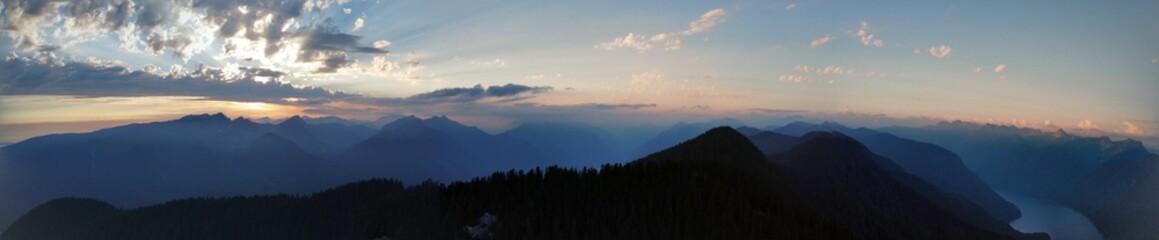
(1084, 66)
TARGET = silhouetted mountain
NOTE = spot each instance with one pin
(773, 143)
(869, 193)
(931, 163)
(571, 145)
(716, 186)
(362, 210)
(680, 132)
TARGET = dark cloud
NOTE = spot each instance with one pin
(322, 38)
(477, 93)
(27, 76)
(48, 75)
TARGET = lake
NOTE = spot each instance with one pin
(1061, 222)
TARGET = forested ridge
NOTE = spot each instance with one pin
(716, 186)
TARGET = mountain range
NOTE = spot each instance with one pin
(1112, 182)
(850, 182)
(717, 185)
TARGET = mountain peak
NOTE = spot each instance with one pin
(403, 122)
(293, 121)
(1059, 134)
(219, 117)
(717, 144)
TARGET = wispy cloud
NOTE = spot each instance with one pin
(820, 41)
(381, 43)
(790, 7)
(790, 78)
(941, 51)
(671, 40)
(1086, 124)
(494, 63)
(616, 106)
(867, 38)
(1131, 129)
(777, 111)
(1000, 68)
(358, 24)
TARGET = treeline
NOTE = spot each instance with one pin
(636, 201)
(716, 186)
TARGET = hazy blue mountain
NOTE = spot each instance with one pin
(147, 163)
(571, 145)
(934, 164)
(413, 150)
(678, 133)
(1112, 182)
(296, 130)
(409, 150)
(714, 186)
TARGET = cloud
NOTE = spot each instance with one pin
(671, 40)
(707, 21)
(820, 41)
(95, 79)
(648, 79)
(329, 47)
(791, 78)
(495, 62)
(639, 42)
(358, 24)
(615, 106)
(1000, 68)
(477, 93)
(1131, 129)
(790, 7)
(777, 111)
(867, 39)
(381, 43)
(47, 76)
(1086, 124)
(940, 51)
(187, 28)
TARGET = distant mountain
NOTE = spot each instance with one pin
(572, 145)
(295, 129)
(1109, 181)
(147, 163)
(438, 148)
(715, 186)
(932, 163)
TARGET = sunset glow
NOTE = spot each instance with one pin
(1080, 66)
